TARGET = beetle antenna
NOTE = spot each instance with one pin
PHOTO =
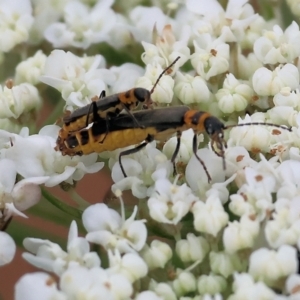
(163, 72)
(259, 123)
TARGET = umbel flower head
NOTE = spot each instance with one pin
(208, 212)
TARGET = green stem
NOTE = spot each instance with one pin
(191, 267)
(177, 234)
(61, 205)
(82, 204)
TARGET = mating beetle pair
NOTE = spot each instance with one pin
(112, 130)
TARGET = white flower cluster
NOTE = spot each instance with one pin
(236, 236)
(42, 165)
(16, 21)
(79, 269)
(19, 103)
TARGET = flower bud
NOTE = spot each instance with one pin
(157, 255)
(224, 263)
(240, 235)
(271, 265)
(31, 69)
(269, 83)
(163, 92)
(184, 283)
(211, 284)
(209, 217)
(18, 100)
(286, 97)
(234, 96)
(194, 248)
(253, 138)
(163, 290)
(191, 89)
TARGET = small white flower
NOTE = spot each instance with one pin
(15, 22)
(126, 77)
(194, 248)
(157, 255)
(210, 8)
(131, 265)
(186, 146)
(7, 248)
(294, 7)
(31, 69)
(140, 168)
(287, 191)
(219, 190)
(166, 49)
(260, 178)
(277, 46)
(43, 160)
(283, 115)
(83, 26)
(77, 81)
(240, 235)
(294, 154)
(211, 57)
(163, 290)
(269, 83)
(184, 283)
(38, 285)
(239, 205)
(237, 158)
(145, 19)
(251, 32)
(107, 228)
(45, 13)
(293, 285)
(95, 283)
(241, 15)
(288, 172)
(123, 33)
(11, 125)
(253, 138)
(269, 265)
(163, 92)
(136, 185)
(209, 217)
(18, 100)
(17, 197)
(170, 202)
(224, 263)
(294, 137)
(284, 227)
(234, 24)
(245, 288)
(211, 284)
(50, 257)
(248, 64)
(234, 96)
(198, 27)
(196, 176)
(191, 89)
(148, 295)
(286, 97)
